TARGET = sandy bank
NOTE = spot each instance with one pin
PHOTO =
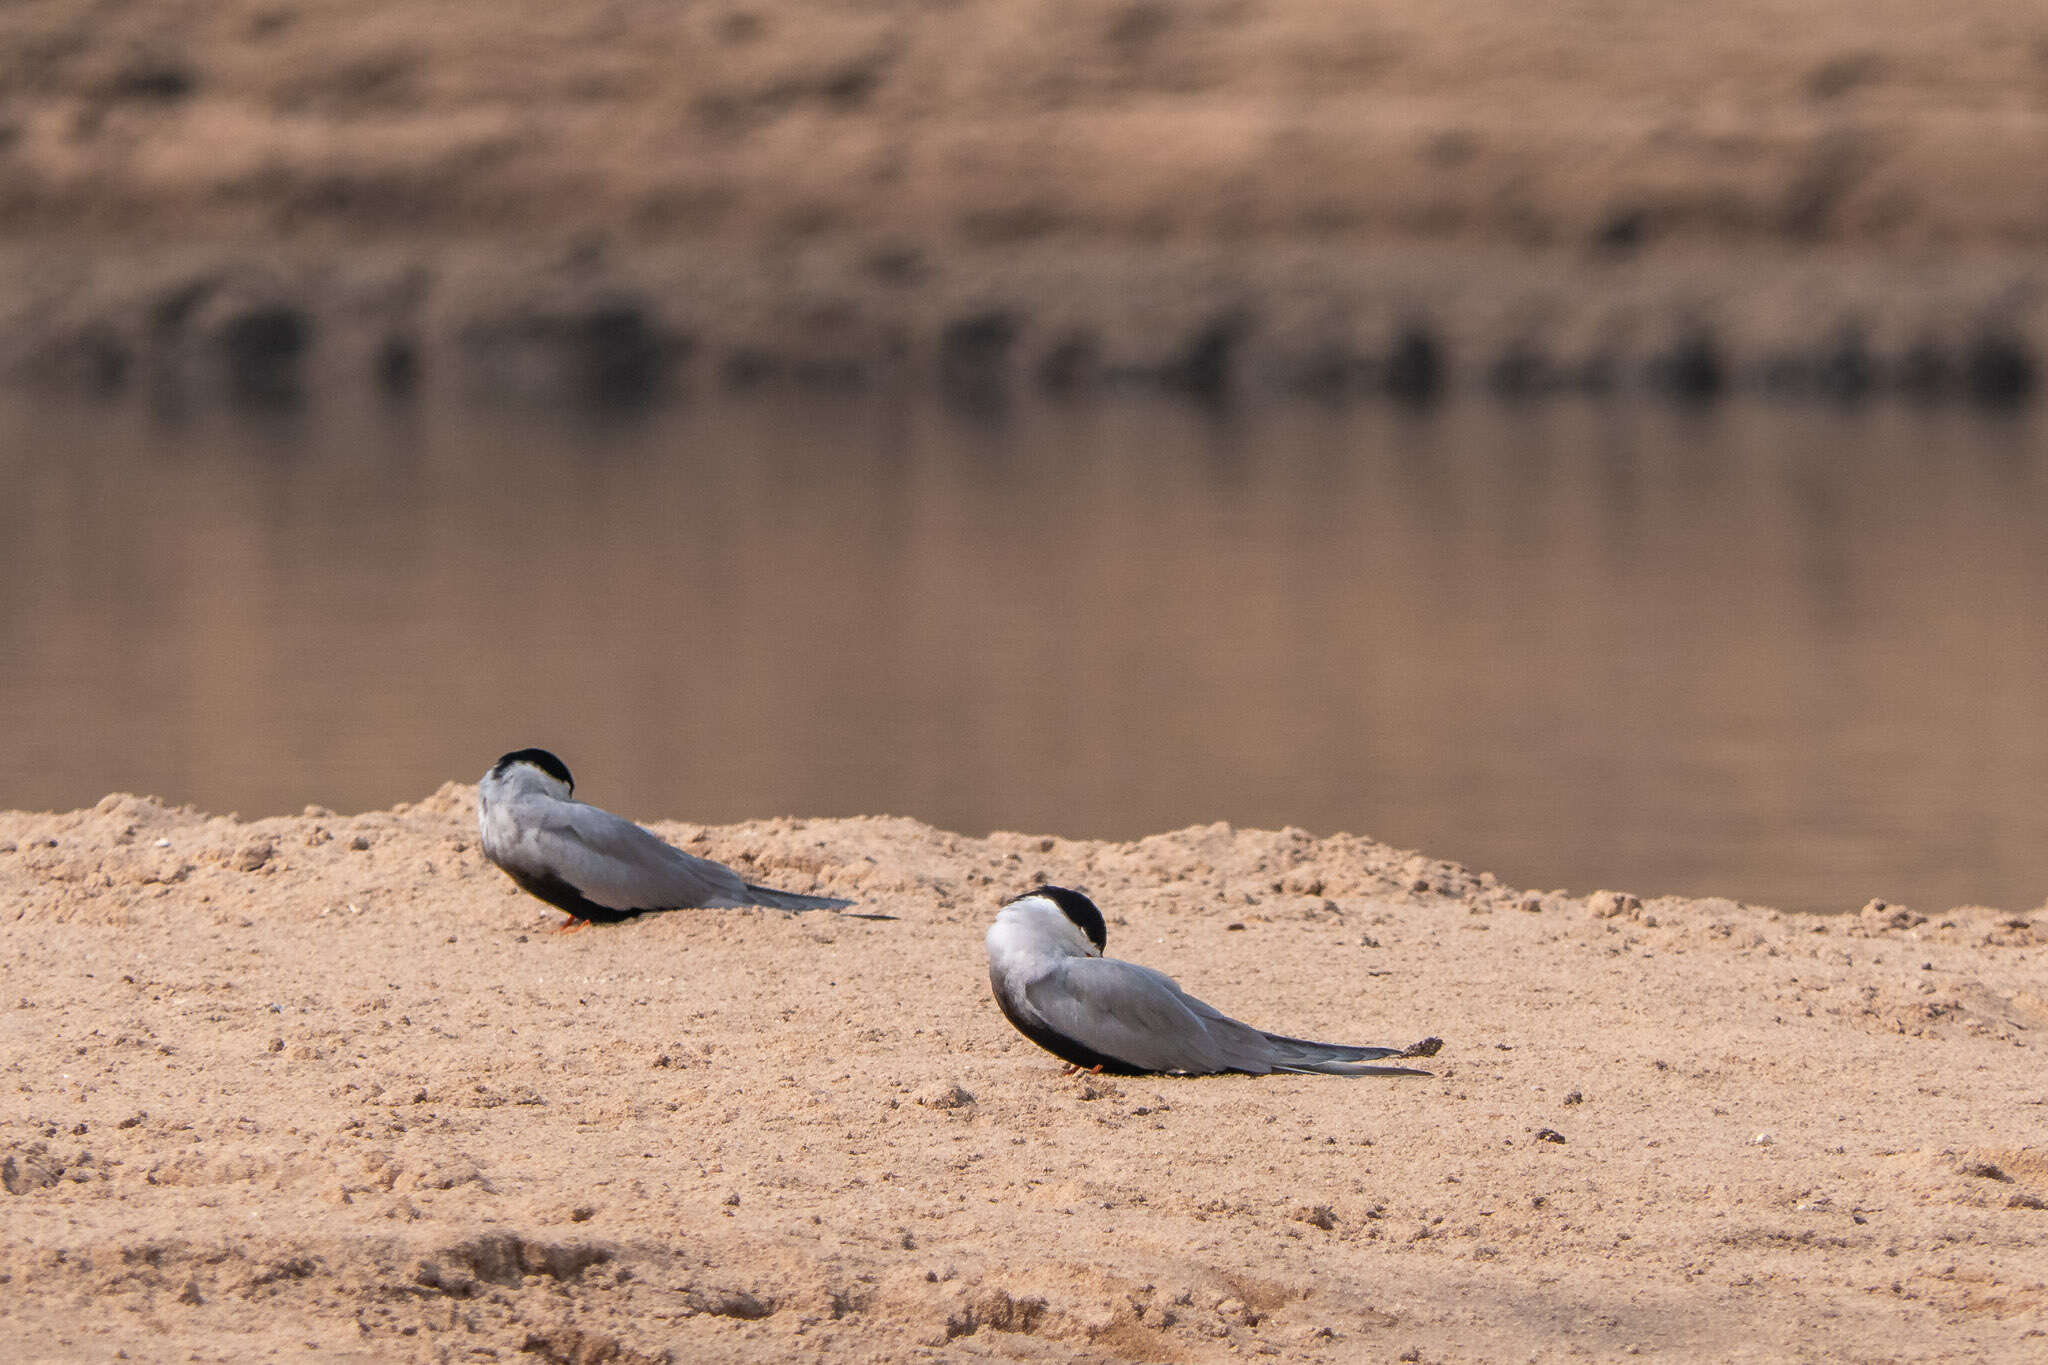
(984, 123)
(323, 1087)
(1780, 196)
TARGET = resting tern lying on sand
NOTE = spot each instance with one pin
(593, 865)
(1045, 962)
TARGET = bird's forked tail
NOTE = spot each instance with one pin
(792, 900)
(1337, 1059)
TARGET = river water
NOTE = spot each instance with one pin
(1791, 654)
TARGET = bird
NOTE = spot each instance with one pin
(595, 866)
(1046, 965)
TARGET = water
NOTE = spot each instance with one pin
(1788, 654)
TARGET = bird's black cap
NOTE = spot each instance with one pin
(541, 759)
(1077, 908)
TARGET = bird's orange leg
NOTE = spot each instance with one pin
(571, 925)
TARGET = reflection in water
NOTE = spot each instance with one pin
(1787, 654)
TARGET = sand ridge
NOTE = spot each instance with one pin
(325, 1087)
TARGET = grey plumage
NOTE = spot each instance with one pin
(594, 865)
(1052, 982)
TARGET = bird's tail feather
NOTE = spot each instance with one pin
(1349, 1069)
(1340, 1059)
(791, 900)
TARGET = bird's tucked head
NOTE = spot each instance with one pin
(536, 766)
(1064, 911)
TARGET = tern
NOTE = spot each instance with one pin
(1046, 965)
(593, 865)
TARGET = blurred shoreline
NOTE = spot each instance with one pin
(604, 201)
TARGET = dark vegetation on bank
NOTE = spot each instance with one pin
(615, 348)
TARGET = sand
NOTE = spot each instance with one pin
(326, 1087)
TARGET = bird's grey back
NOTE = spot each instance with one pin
(616, 863)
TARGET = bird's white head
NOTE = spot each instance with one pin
(1049, 919)
(525, 770)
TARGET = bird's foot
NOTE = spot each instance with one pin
(571, 925)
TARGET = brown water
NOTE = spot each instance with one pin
(1791, 655)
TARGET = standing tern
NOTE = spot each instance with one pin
(1045, 962)
(591, 864)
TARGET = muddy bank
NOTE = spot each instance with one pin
(326, 1084)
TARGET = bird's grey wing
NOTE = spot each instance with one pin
(1143, 1017)
(616, 863)
(1121, 1010)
